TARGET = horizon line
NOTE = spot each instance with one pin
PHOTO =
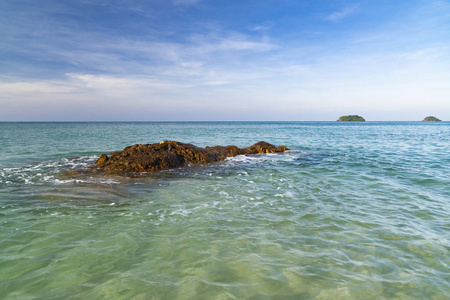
(211, 121)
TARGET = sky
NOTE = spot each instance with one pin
(224, 60)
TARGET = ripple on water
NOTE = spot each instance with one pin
(328, 221)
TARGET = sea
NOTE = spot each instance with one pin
(354, 210)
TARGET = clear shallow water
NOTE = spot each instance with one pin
(354, 211)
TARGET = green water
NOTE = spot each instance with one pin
(354, 211)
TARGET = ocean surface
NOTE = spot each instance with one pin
(353, 211)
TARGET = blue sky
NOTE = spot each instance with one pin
(136, 60)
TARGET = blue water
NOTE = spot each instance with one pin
(353, 211)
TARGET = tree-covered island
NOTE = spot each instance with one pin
(351, 118)
(431, 119)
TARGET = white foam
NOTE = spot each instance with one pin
(285, 195)
(225, 194)
(181, 212)
(47, 171)
(263, 158)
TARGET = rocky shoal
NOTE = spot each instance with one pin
(170, 154)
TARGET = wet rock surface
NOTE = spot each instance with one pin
(171, 154)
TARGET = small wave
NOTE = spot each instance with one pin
(181, 212)
(45, 172)
(264, 158)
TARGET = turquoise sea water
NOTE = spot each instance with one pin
(353, 211)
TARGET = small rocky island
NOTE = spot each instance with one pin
(431, 119)
(170, 154)
(351, 118)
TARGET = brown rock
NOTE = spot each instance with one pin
(170, 154)
(103, 158)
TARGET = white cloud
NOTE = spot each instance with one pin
(186, 2)
(31, 88)
(242, 44)
(216, 42)
(110, 55)
(423, 54)
(120, 85)
(265, 27)
(280, 90)
(216, 83)
(341, 14)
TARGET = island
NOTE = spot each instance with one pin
(431, 119)
(170, 154)
(351, 118)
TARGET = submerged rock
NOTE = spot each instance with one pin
(170, 154)
(431, 119)
(351, 118)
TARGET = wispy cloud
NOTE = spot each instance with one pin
(126, 84)
(232, 41)
(263, 27)
(425, 54)
(216, 83)
(35, 88)
(186, 2)
(341, 14)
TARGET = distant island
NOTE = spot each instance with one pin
(431, 119)
(351, 118)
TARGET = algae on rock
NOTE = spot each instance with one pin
(170, 154)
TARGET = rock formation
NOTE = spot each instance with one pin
(351, 118)
(430, 119)
(170, 154)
